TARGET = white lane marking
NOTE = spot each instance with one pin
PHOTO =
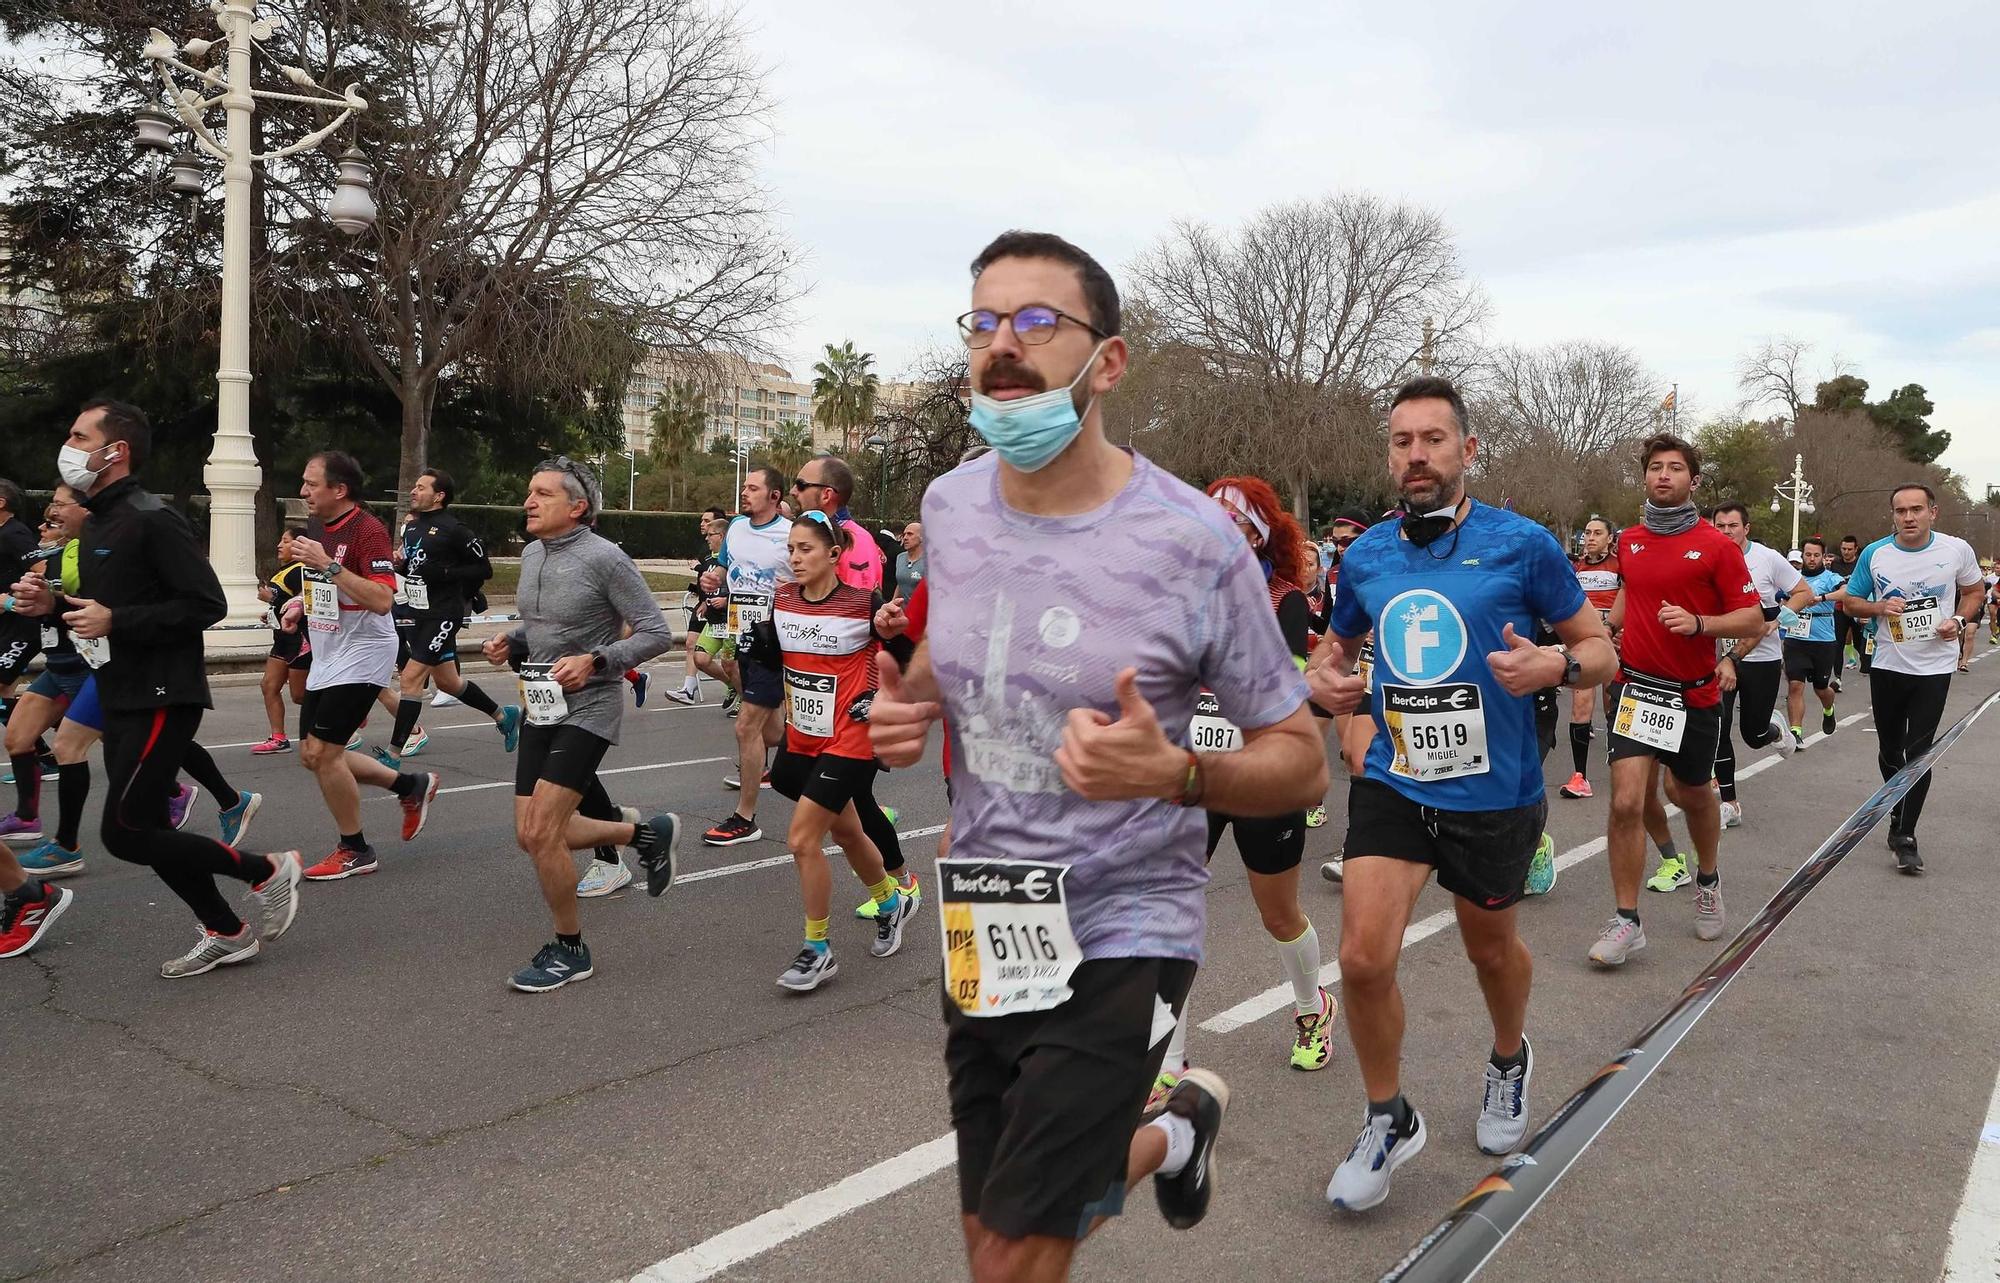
(771, 862)
(1279, 997)
(808, 1212)
(1974, 1254)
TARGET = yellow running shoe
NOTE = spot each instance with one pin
(1163, 1087)
(1313, 1044)
(1672, 874)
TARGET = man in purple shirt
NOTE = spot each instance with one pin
(1081, 599)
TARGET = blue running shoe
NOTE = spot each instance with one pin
(555, 965)
(510, 726)
(235, 821)
(388, 759)
(51, 860)
(642, 681)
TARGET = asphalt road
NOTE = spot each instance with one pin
(368, 1101)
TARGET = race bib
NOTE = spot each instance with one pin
(811, 696)
(1436, 732)
(417, 594)
(96, 651)
(50, 637)
(1211, 732)
(322, 602)
(1918, 622)
(541, 697)
(1008, 947)
(1795, 627)
(747, 609)
(1651, 715)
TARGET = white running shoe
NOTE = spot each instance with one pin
(1362, 1179)
(1785, 745)
(442, 700)
(1732, 815)
(1620, 939)
(811, 969)
(1334, 870)
(1503, 1114)
(603, 879)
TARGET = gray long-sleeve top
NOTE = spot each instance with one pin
(576, 592)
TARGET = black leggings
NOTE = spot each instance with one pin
(143, 753)
(1907, 712)
(1756, 695)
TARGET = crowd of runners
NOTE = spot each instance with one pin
(1121, 669)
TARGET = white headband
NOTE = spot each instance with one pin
(1234, 498)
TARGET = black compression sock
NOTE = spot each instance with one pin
(27, 784)
(1399, 1110)
(354, 841)
(1630, 915)
(406, 784)
(407, 711)
(574, 942)
(607, 855)
(72, 790)
(478, 700)
(1707, 879)
(1579, 744)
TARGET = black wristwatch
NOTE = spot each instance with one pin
(1572, 672)
(597, 664)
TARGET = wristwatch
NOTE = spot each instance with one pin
(597, 664)
(1572, 672)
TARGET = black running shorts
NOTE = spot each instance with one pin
(1267, 846)
(1480, 856)
(1817, 662)
(822, 778)
(564, 755)
(1694, 761)
(333, 713)
(1045, 1103)
(762, 686)
(431, 640)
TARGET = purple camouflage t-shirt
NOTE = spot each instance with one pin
(1031, 617)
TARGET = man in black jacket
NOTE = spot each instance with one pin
(145, 594)
(443, 564)
(20, 638)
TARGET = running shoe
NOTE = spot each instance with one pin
(1316, 818)
(1798, 739)
(1784, 733)
(1541, 868)
(1201, 1098)
(212, 951)
(1828, 723)
(556, 964)
(811, 969)
(604, 877)
(1163, 1087)
(13, 826)
(1732, 815)
(1503, 1115)
(418, 738)
(733, 831)
(659, 854)
(1836, 685)
(1905, 847)
(24, 922)
(1672, 874)
(1620, 939)
(734, 780)
(52, 860)
(1708, 916)
(1964, 668)
(179, 806)
(354, 744)
(1362, 1179)
(275, 744)
(235, 822)
(891, 814)
(1333, 869)
(642, 682)
(509, 726)
(889, 927)
(684, 695)
(442, 700)
(417, 807)
(388, 759)
(1576, 787)
(343, 863)
(1313, 1042)
(277, 896)
(912, 890)
(730, 699)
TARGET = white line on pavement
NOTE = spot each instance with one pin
(755, 1237)
(771, 862)
(1974, 1255)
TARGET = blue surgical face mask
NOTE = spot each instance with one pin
(1032, 430)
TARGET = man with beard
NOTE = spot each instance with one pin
(1453, 781)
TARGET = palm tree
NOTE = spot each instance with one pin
(789, 446)
(679, 414)
(844, 391)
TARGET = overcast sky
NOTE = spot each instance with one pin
(1684, 183)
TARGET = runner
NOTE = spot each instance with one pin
(825, 485)
(38, 709)
(1270, 848)
(285, 667)
(28, 906)
(1074, 835)
(350, 584)
(1453, 783)
(1846, 629)
(1349, 526)
(755, 562)
(146, 592)
(443, 564)
(910, 561)
(578, 590)
(1908, 582)
(716, 650)
(20, 637)
(1751, 674)
(1812, 654)
(704, 607)
(822, 635)
(1686, 585)
(1597, 575)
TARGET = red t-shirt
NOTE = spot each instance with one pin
(829, 648)
(1700, 570)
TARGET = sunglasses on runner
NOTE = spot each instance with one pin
(1034, 324)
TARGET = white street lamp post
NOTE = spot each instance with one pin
(1799, 493)
(232, 474)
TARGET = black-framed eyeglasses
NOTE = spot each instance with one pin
(1034, 324)
(1345, 543)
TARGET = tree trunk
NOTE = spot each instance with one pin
(1302, 500)
(417, 394)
